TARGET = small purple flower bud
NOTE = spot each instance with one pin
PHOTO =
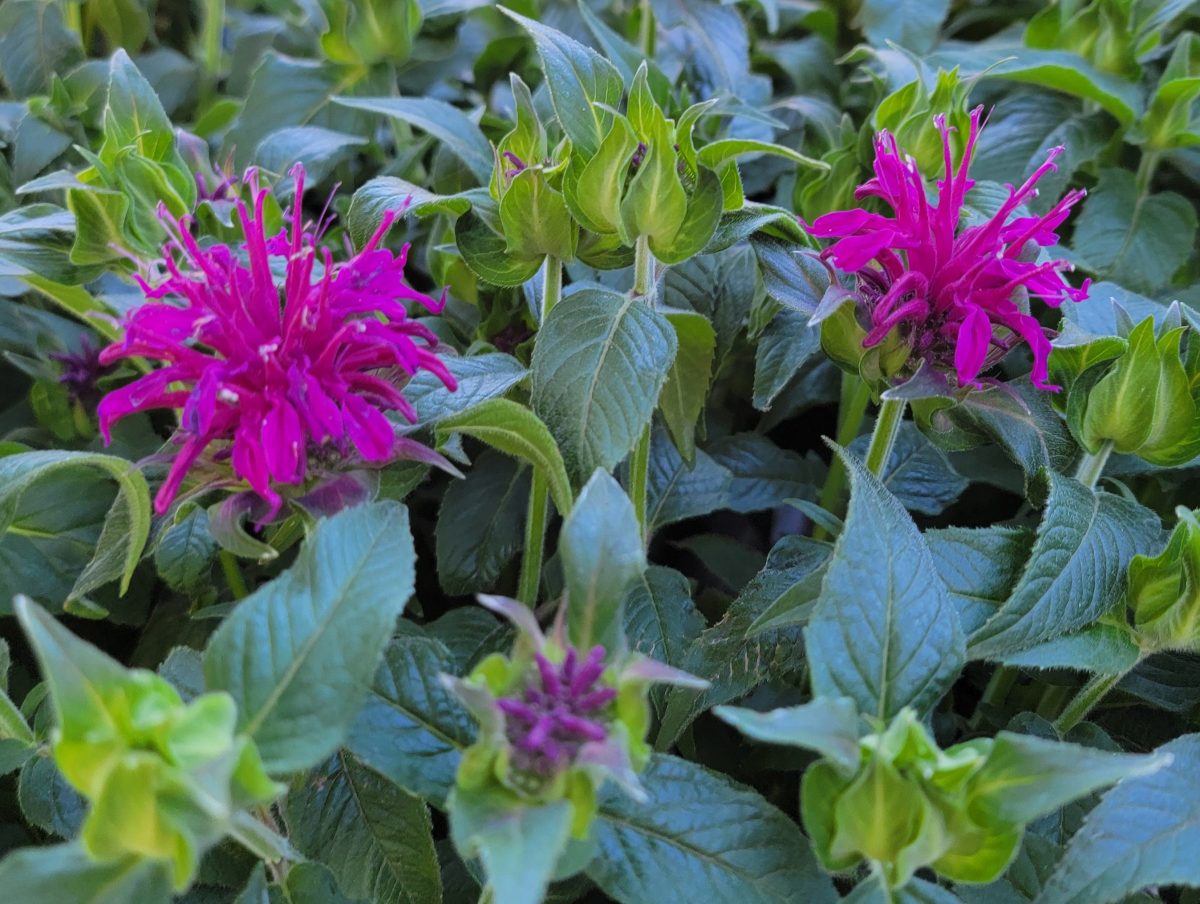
(638, 156)
(557, 713)
(517, 162)
(82, 372)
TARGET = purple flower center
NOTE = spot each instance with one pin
(560, 710)
(952, 295)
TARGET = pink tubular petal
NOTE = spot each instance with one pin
(970, 351)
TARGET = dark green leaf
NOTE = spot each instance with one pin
(884, 631)
(599, 365)
(411, 728)
(298, 655)
(701, 837)
(376, 838)
(1076, 568)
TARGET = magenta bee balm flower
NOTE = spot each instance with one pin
(954, 295)
(273, 352)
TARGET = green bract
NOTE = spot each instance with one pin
(164, 778)
(1164, 590)
(1141, 397)
(899, 803)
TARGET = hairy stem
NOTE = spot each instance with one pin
(883, 438)
(535, 539)
(1091, 466)
(639, 461)
(1086, 700)
(210, 40)
(851, 410)
(551, 285)
(233, 575)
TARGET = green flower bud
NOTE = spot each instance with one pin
(1164, 590)
(164, 777)
(1145, 402)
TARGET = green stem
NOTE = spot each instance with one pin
(1145, 171)
(1091, 466)
(210, 40)
(260, 839)
(643, 269)
(551, 285)
(639, 470)
(851, 409)
(1052, 700)
(1085, 701)
(73, 14)
(535, 539)
(639, 461)
(646, 30)
(883, 438)
(233, 575)
(996, 692)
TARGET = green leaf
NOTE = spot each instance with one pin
(411, 728)
(319, 150)
(762, 474)
(884, 631)
(126, 527)
(536, 220)
(284, 91)
(39, 238)
(384, 193)
(298, 654)
(1021, 133)
(480, 377)
(376, 838)
(1027, 777)
(1143, 833)
(1134, 239)
(185, 552)
(719, 152)
(35, 43)
(1058, 70)
(134, 116)
(578, 79)
(676, 490)
(1099, 648)
(515, 430)
(731, 660)
(912, 24)
(599, 365)
(783, 348)
(486, 253)
(686, 389)
(601, 551)
(519, 844)
(99, 225)
(916, 891)
(721, 286)
(480, 523)
(1076, 569)
(980, 567)
(47, 800)
(701, 837)
(661, 621)
(311, 883)
(447, 124)
(918, 472)
(77, 879)
(826, 725)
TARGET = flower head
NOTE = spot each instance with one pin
(560, 710)
(273, 371)
(952, 294)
